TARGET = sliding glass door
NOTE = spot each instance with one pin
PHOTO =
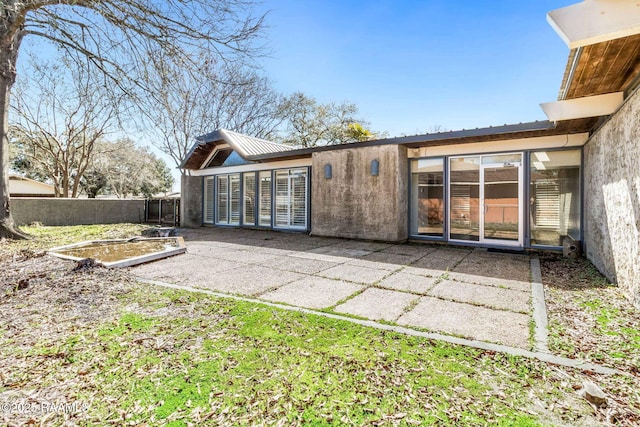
(485, 199)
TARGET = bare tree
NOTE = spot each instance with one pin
(181, 103)
(104, 31)
(309, 124)
(61, 112)
(124, 169)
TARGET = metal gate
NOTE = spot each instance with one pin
(163, 211)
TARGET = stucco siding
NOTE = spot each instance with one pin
(191, 201)
(355, 204)
(612, 198)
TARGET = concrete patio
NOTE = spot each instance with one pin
(471, 293)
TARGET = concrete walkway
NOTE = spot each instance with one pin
(470, 293)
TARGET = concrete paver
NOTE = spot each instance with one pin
(489, 296)
(354, 273)
(365, 263)
(313, 292)
(486, 264)
(399, 259)
(377, 304)
(300, 265)
(469, 321)
(474, 293)
(247, 280)
(185, 268)
(408, 282)
(340, 251)
(490, 281)
(435, 263)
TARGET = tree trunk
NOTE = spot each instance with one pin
(8, 57)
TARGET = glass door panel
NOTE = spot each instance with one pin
(501, 203)
(485, 199)
(464, 198)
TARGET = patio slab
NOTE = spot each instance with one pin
(399, 259)
(459, 291)
(377, 304)
(184, 269)
(490, 281)
(246, 280)
(313, 292)
(300, 265)
(469, 321)
(402, 281)
(354, 273)
(436, 263)
(488, 296)
(495, 265)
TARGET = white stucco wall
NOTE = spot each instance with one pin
(612, 198)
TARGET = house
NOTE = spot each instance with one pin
(527, 185)
(19, 186)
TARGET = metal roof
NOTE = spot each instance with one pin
(491, 133)
(486, 134)
(248, 147)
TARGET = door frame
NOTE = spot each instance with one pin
(482, 241)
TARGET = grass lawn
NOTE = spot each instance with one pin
(126, 353)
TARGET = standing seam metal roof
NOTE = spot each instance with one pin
(246, 146)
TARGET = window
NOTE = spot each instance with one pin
(228, 199)
(265, 199)
(222, 192)
(249, 199)
(208, 201)
(291, 198)
(427, 197)
(554, 197)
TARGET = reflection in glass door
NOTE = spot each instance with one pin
(501, 199)
(485, 199)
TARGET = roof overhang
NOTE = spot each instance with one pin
(247, 147)
(595, 21)
(579, 108)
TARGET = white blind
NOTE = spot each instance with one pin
(223, 199)
(298, 198)
(249, 199)
(208, 200)
(234, 184)
(282, 199)
(265, 198)
(547, 201)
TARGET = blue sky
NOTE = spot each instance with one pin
(411, 65)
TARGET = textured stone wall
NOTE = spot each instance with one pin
(355, 204)
(59, 211)
(612, 198)
(191, 201)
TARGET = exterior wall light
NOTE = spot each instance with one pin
(327, 171)
(375, 167)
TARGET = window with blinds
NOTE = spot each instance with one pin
(291, 198)
(228, 199)
(249, 199)
(265, 199)
(222, 205)
(234, 195)
(207, 217)
(554, 203)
